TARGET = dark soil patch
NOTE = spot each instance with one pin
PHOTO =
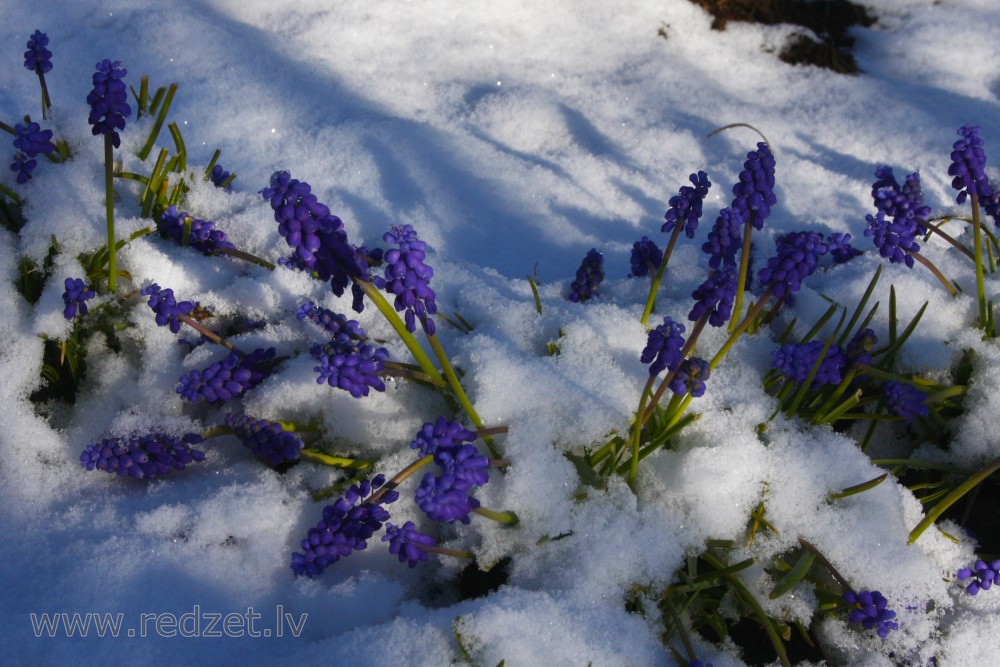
(829, 21)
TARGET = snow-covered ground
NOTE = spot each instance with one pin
(514, 136)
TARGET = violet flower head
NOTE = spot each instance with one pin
(646, 258)
(968, 165)
(442, 435)
(685, 208)
(588, 277)
(406, 542)
(167, 309)
(725, 238)
(75, 297)
(266, 439)
(219, 176)
(871, 612)
(203, 235)
(334, 324)
(316, 236)
(109, 101)
(754, 194)
(351, 365)
(982, 574)
(227, 379)
(715, 296)
(30, 140)
(408, 278)
(690, 377)
(840, 247)
(143, 457)
(346, 526)
(797, 258)
(38, 58)
(445, 498)
(895, 239)
(663, 347)
(796, 360)
(904, 400)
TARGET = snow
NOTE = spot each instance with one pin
(514, 136)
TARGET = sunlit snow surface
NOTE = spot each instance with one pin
(514, 136)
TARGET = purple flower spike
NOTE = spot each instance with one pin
(266, 439)
(38, 58)
(754, 194)
(685, 208)
(30, 140)
(167, 309)
(75, 297)
(334, 324)
(663, 347)
(406, 541)
(227, 379)
(219, 176)
(442, 435)
(871, 612)
(588, 277)
(203, 237)
(796, 360)
(797, 258)
(715, 296)
(690, 377)
(725, 238)
(351, 365)
(109, 101)
(968, 165)
(983, 576)
(143, 457)
(904, 400)
(646, 258)
(408, 278)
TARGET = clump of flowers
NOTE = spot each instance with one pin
(981, 576)
(202, 235)
(109, 101)
(443, 434)
(409, 544)
(796, 360)
(725, 238)
(685, 207)
(904, 400)
(754, 194)
(219, 176)
(663, 347)
(870, 610)
(408, 278)
(968, 165)
(166, 307)
(349, 364)
(332, 323)
(588, 277)
(646, 257)
(38, 58)
(227, 379)
(75, 297)
(690, 377)
(266, 439)
(715, 297)
(143, 457)
(30, 141)
(797, 258)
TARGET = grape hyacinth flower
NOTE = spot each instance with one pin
(982, 574)
(442, 435)
(406, 542)
(143, 457)
(796, 360)
(266, 439)
(351, 365)
(316, 235)
(38, 58)
(227, 379)
(588, 277)
(168, 310)
(75, 297)
(219, 176)
(408, 278)
(715, 297)
(663, 347)
(646, 257)
(334, 324)
(968, 165)
(445, 498)
(685, 207)
(904, 400)
(797, 258)
(754, 194)
(29, 140)
(724, 239)
(203, 235)
(345, 528)
(871, 612)
(109, 101)
(840, 247)
(690, 377)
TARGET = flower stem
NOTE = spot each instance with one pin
(508, 518)
(977, 249)
(808, 546)
(741, 280)
(109, 192)
(637, 431)
(316, 456)
(456, 387)
(211, 335)
(400, 477)
(947, 283)
(46, 101)
(752, 315)
(951, 499)
(654, 285)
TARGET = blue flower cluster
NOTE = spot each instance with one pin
(983, 576)
(797, 258)
(316, 235)
(38, 58)
(646, 258)
(144, 456)
(266, 439)
(588, 277)
(715, 296)
(685, 208)
(409, 544)
(725, 238)
(203, 236)
(30, 140)
(968, 165)
(75, 297)
(167, 309)
(334, 324)
(754, 194)
(408, 278)
(796, 360)
(219, 176)
(350, 364)
(663, 347)
(346, 526)
(899, 218)
(109, 101)
(445, 497)
(871, 612)
(840, 247)
(690, 377)
(904, 400)
(227, 379)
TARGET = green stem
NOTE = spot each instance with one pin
(211, 335)
(947, 283)
(635, 436)
(400, 477)
(240, 254)
(654, 285)
(46, 100)
(109, 191)
(977, 249)
(316, 456)
(445, 552)
(752, 315)
(741, 280)
(951, 498)
(508, 518)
